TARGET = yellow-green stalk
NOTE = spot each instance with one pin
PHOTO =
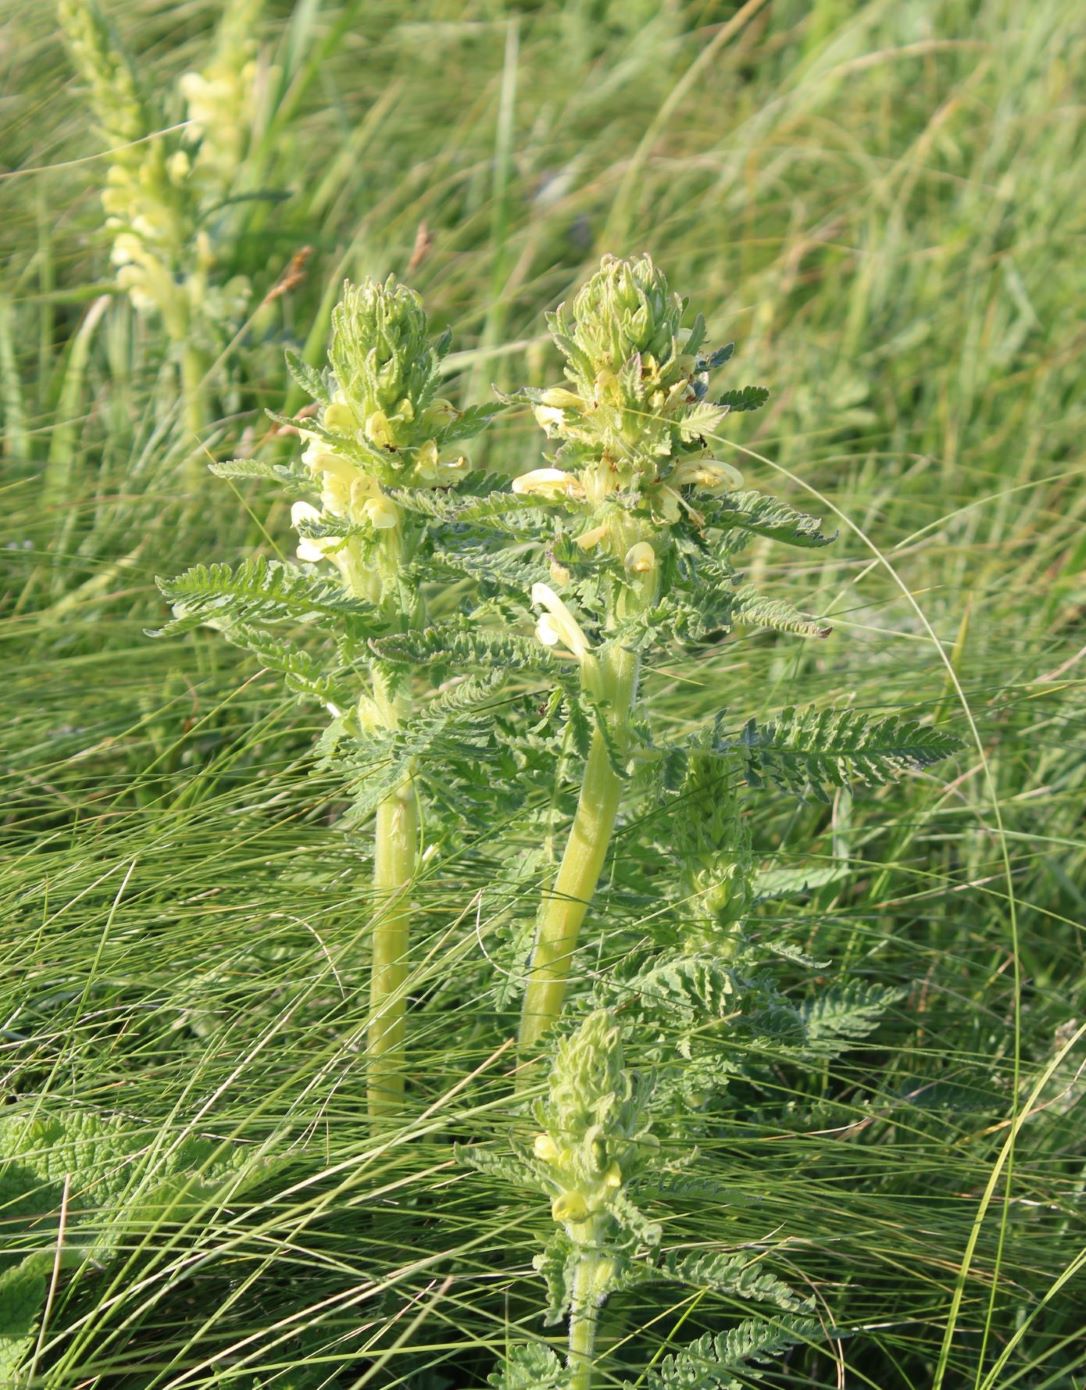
(630, 421)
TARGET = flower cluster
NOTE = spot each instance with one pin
(221, 100)
(380, 426)
(157, 191)
(633, 417)
(593, 1139)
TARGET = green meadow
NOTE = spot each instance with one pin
(858, 1157)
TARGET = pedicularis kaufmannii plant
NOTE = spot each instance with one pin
(380, 435)
(619, 548)
(170, 189)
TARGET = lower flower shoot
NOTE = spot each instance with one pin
(593, 1143)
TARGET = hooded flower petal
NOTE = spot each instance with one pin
(558, 624)
(548, 482)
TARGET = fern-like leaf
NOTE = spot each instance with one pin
(470, 422)
(745, 398)
(810, 752)
(303, 672)
(844, 1014)
(506, 1168)
(703, 1364)
(296, 482)
(511, 569)
(688, 988)
(764, 516)
(460, 645)
(750, 607)
(262, 591)
(734, 1273)
(531, 1366)
(308, 378)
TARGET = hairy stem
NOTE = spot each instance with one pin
(583, 1321)
(564, 908)
(395, 853)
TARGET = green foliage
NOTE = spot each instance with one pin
(745, 398)
(531, 1366)
(910, 292)
(752, 609)
(260, 590)
(809, 752)
(736, 1274)
(759, 515)
(842, 1014)
(86, 1181)
(457, 643)
(748, 1348)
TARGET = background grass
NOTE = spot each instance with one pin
(883, 204)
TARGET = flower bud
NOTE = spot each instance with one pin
(381, 512)
(558, 624)
(569, 1206)
(339, 418)
(640, 558)
(707, 473)
(545, 1148)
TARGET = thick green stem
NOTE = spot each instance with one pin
(564, 908)
(194, 390)
(583, 1321)
(395, 852)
